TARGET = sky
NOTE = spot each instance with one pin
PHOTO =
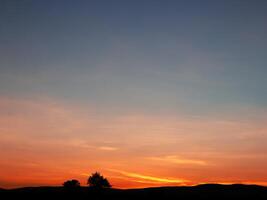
(149, 93)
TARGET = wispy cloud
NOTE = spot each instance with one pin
(151, 179)
(85, 144)
(178, 160)
(107, 148)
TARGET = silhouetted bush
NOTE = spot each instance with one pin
(71, 184)
(96, 180)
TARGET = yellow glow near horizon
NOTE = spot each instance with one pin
(149, 178)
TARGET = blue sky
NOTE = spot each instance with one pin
(204, 55)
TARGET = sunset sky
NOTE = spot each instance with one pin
(149, 93)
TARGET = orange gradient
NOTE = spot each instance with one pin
(44, 142)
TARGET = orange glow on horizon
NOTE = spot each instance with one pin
(46, 143)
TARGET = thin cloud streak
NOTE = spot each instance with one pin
(178, 160)
(153, 179)
(107, 148)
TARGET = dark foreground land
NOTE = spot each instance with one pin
(208, 191)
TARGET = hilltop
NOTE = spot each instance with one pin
(207, 191)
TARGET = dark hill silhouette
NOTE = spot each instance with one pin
(208, 191)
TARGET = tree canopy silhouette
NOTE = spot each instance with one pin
(71, 184)
(96, 180)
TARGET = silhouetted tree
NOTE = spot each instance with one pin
(96, 180)
(71, 184)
